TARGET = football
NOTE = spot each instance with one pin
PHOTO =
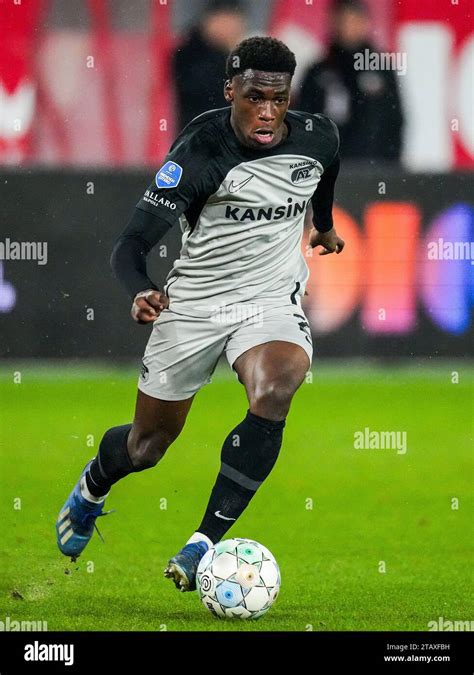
(238, 578)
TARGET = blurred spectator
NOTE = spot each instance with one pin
(199, 63)
(365, 104)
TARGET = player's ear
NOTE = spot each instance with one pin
(228, 91)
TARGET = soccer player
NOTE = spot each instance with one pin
(238, 179)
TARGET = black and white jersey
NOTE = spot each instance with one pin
(241, 210)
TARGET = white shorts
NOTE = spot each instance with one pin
(183, 351)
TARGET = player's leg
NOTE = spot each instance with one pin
(179, 359)
(138, 446)
(271, 373)
(123, 450)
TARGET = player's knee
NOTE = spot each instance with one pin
(274, 395)
(146, 450)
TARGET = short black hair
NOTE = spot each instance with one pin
(260, 53)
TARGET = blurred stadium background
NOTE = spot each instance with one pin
(89, 104)
(88, 109)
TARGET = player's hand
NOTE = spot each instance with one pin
(330, 241)
(148, 305)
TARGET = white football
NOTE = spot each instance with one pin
(238, 578)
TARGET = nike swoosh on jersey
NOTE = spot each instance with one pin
(235, 188)
(219, 515)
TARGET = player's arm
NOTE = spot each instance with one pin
(323, 233)
(128, 261)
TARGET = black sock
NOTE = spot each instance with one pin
(112, 462)
(248, 455)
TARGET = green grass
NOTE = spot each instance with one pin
(368, 505)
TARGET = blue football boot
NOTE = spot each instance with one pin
(183, 566)
(76, 520)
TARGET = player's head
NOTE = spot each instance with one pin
(258, 85)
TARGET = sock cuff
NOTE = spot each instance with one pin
(130, 463)
(87, 494)
(200, 536)
(117, 438)
(263, 423)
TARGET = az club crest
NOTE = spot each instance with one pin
(302, 174)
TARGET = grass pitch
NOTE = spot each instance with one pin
(366, 539)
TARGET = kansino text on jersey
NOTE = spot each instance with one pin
(305, 162)
(271, 213)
